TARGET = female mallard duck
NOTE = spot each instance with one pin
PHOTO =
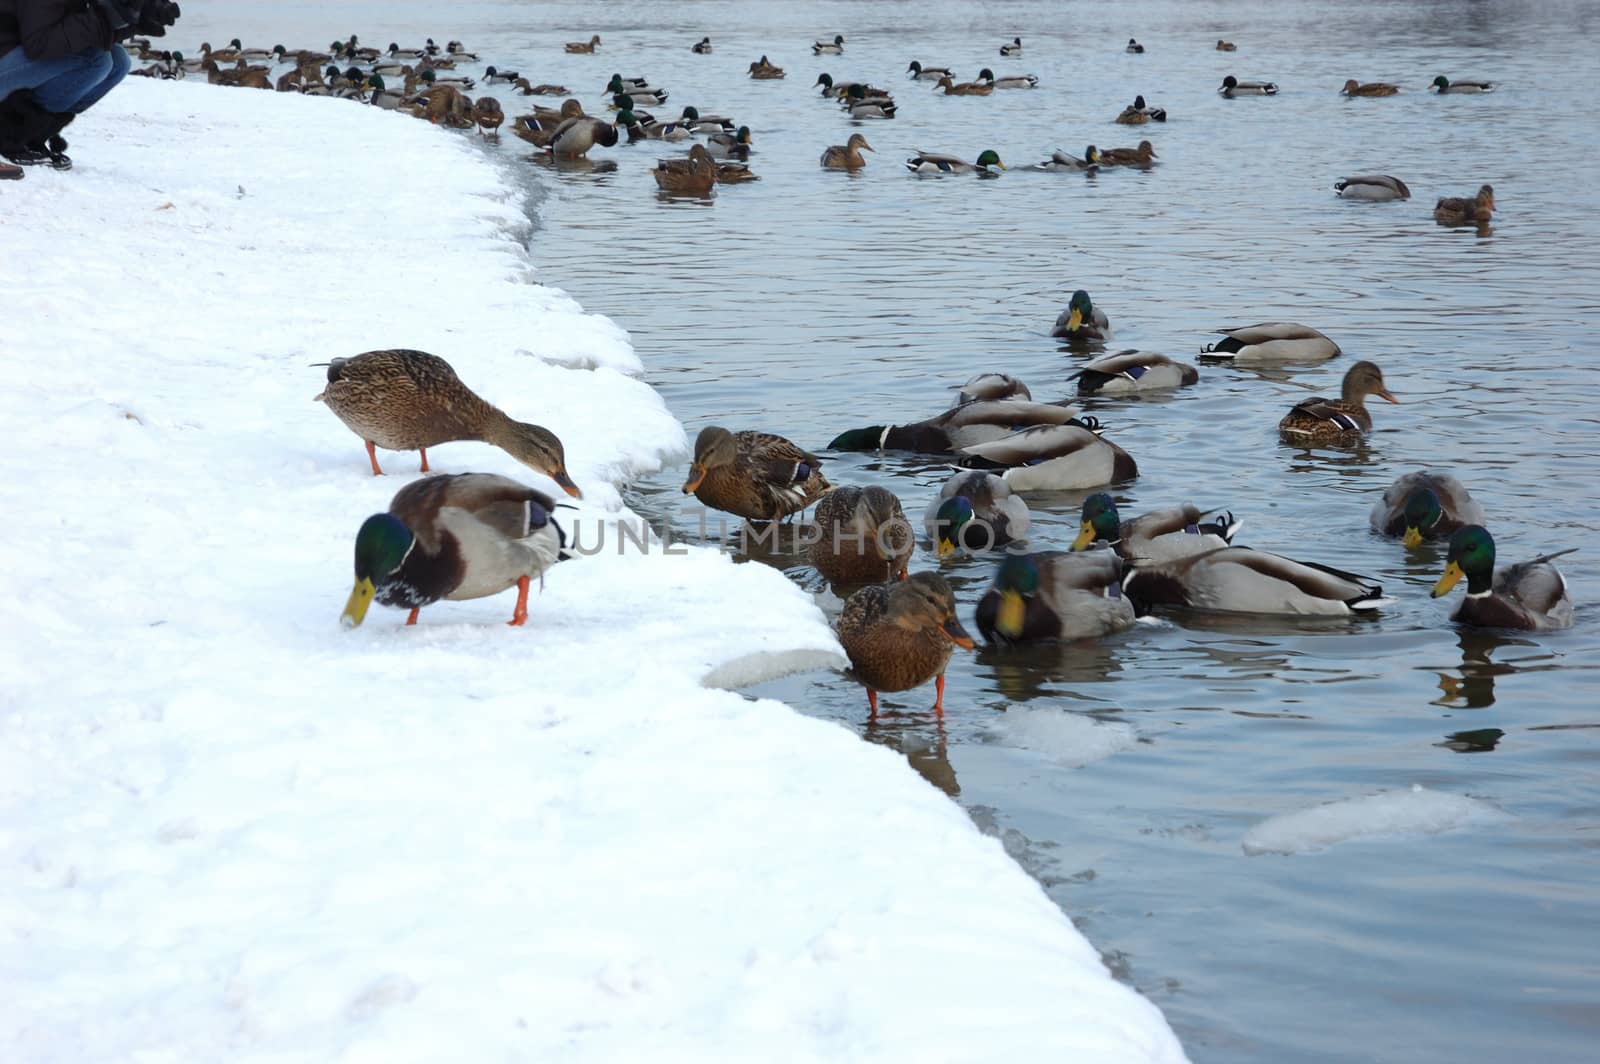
(899, 635)
(1425, 505)
(1134, 47)
(1012, 50)
(1374, 188)
(1128, 372)
(1443, 85)
(763, 70)
(1143, 155)
(457, 536)
(734, 173)
(488, 116)
(833, 47)
(219, 55)
(730, 145)
(1232, 86)
(978, 421)
(1272, 341)
(702, 46)
(863, 536)
(1132, 116)
(1054, 458)
(1241, 580)
(1010, 81)
(540, 127)
(858, 104)
(1475, 211)
(754, 475)
(1062, 162)
(1531, 596)
(925, 162)
(1156, 537)
(846, 156)
(975, 512)
(583, 47)
(404, 400)
(693, 174)
(1353, 88)
(1155, 114)
(1082, 321)
(1341, 420)
(524, 87)
(919, 72)
(965, 88)
(1054, 596)
(573, 138)
(1226, 46)
(993, 386)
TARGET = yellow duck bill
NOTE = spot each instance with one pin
(355, 607)
(1085, 537)
(1452, 574)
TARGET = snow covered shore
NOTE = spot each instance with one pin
(231, 831)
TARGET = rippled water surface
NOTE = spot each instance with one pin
(813, 301)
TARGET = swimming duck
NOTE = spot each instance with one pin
(633, 99)
(526, 88)
(1242, 580)
(1133, 371)
(837, 90)
(394, 51)
(1132, 116)
(858, 104)
(573, 138)
(1531, 596)
(382, 96)
(1062, 162)
(1374, 188)
(1425, 505)
(583, 47)
(700, 123)
(975, 511)
(919, 72)
(488, 116)
(1054, 596)
(1013, 49)
(1064, 457)
(734, 173)
(1010, 81)
(933, 163)
(1134, 47)
(1353, 88)
(730, 145)
(754, 475)
(978, 421)
(221, 55)
(540, 127)
(702, 46)
(763, 70)
(1143, 155)
(1232, 86)
(456, 50)
(1145, 113)
(1272, 341)
(456, 536)
(965, 88)
(833, 47)
(299, 58)
(668, 131)
(1226, 46)
(404, 400)
(494, 74)
(1475, 211)
(993, 386)
(693, 174)
(846, 156)
(431, 77)
(1342, 420)
(899, 635)
(863, 536)
(1443, 85)
(1156, 537)
(1082, 321)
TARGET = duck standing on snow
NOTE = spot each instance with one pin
(1531, 596)
(1055, 596)
(901, 635)
(754, 475)
(863, 536)
(1341, 420)
(1082, 321)
(1425, 505)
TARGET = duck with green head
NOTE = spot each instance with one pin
(1055, 596)
(1158, 536)
(900, 635)
(1531, 596)
(1425, 505)
(1082, 321)
(975, 512)
(968, 423)
(934, 163)
(1443, 86)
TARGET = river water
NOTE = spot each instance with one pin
(813, 301)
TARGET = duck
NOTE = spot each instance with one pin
(754, 475)
(628, 100)
(1156, 537)
(1143, 155)
(863, 536)
(1457, 211)
(1530, 596)
(1066, 457)
(1130, 372)
(1054, 596)
(763, 70)
(381, 95)
(540, 127)
(1353, 88)
(1138, 113)
(573, 138)
(1226, 46)
(1244, 580)
(837, 90)
(976, 421)
(1012, 50)
(693, 174)
(495, 75)
(1010, 81)
(527, 88)
(456, 81)
(1271, 341)
(1063, 162)
(1427, 504)
(583, 47)
(254, 55)
(933, 163)
(220, 55)
(965, 88)
(1132, 116)
(857, 105)
(846, 156)
(706, 123)
(833, 47)
(454, 536)
(734, 173)
(405, 400)
(900, 635)
(975, 511)
(1341, 420)
(389, 67)
(301, 57)
(1134, 47)
(1442, 86)
(394, 51)
(1374, 188)
(1082, 321)
(701, 47)
(730, 145)
(487, 115)
(669, 131)
(456, 50)
(919, 72)
(993, 386)
(1232, 86)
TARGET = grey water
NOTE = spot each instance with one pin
(814, 301)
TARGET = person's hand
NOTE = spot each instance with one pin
(156, 15)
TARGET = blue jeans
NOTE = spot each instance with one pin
(68, 83)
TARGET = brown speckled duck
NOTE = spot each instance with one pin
(862, 536)
(1341, 420)
(754, 475)
(1353, 88)
(1454, 210)
(694, 174)
(899, 636)
(404, 400)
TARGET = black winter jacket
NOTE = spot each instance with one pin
(49, 29)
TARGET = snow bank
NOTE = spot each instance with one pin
(1068, 738)
(230, 830)
(1390, 813)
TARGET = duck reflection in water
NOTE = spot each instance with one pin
(927, 751)
(1023, 673)
(1473, 688)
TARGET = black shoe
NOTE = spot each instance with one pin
(36, 155)
(57, 145)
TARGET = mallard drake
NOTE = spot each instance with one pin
(965, 88)
(933, 163)
(976, 512)
(457, 536)
(730, 145)
(837, 90)
(699, 123)
(636, 98)
(833, 47)
(1531, 596)
(574, 137)
(1443, 85)
(1272, 341)
(1232, 86)
(1143, 155)
(1010, 81)
(583, 47)
(494, 75)
(672, 132)
(1341, 420)
(393, 67)
(846, 156)
(863, 536)
(431, 77)
(1133, 371)
(1475, 211)
(1156, 537)
(1082, 321)
(1053, 596)
(1139, 107)
(381, 95)
(254, 55)
(763, 70)
(1425, 505)
(1353, 88)
(754, 475)
(404, 400)
(456, 50)
(900, 635)
(1062, 162)
(1013, 49)
(1226, 46)
(919, 72)
(993, 386)
(1134, 47)
(1242, 580)
(858, 104)
(300, 58)
(486, 113)
(693, 174)
(1374, 188)
(702, 46)
(394, 51)
(1065, 457)
(978, 421)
